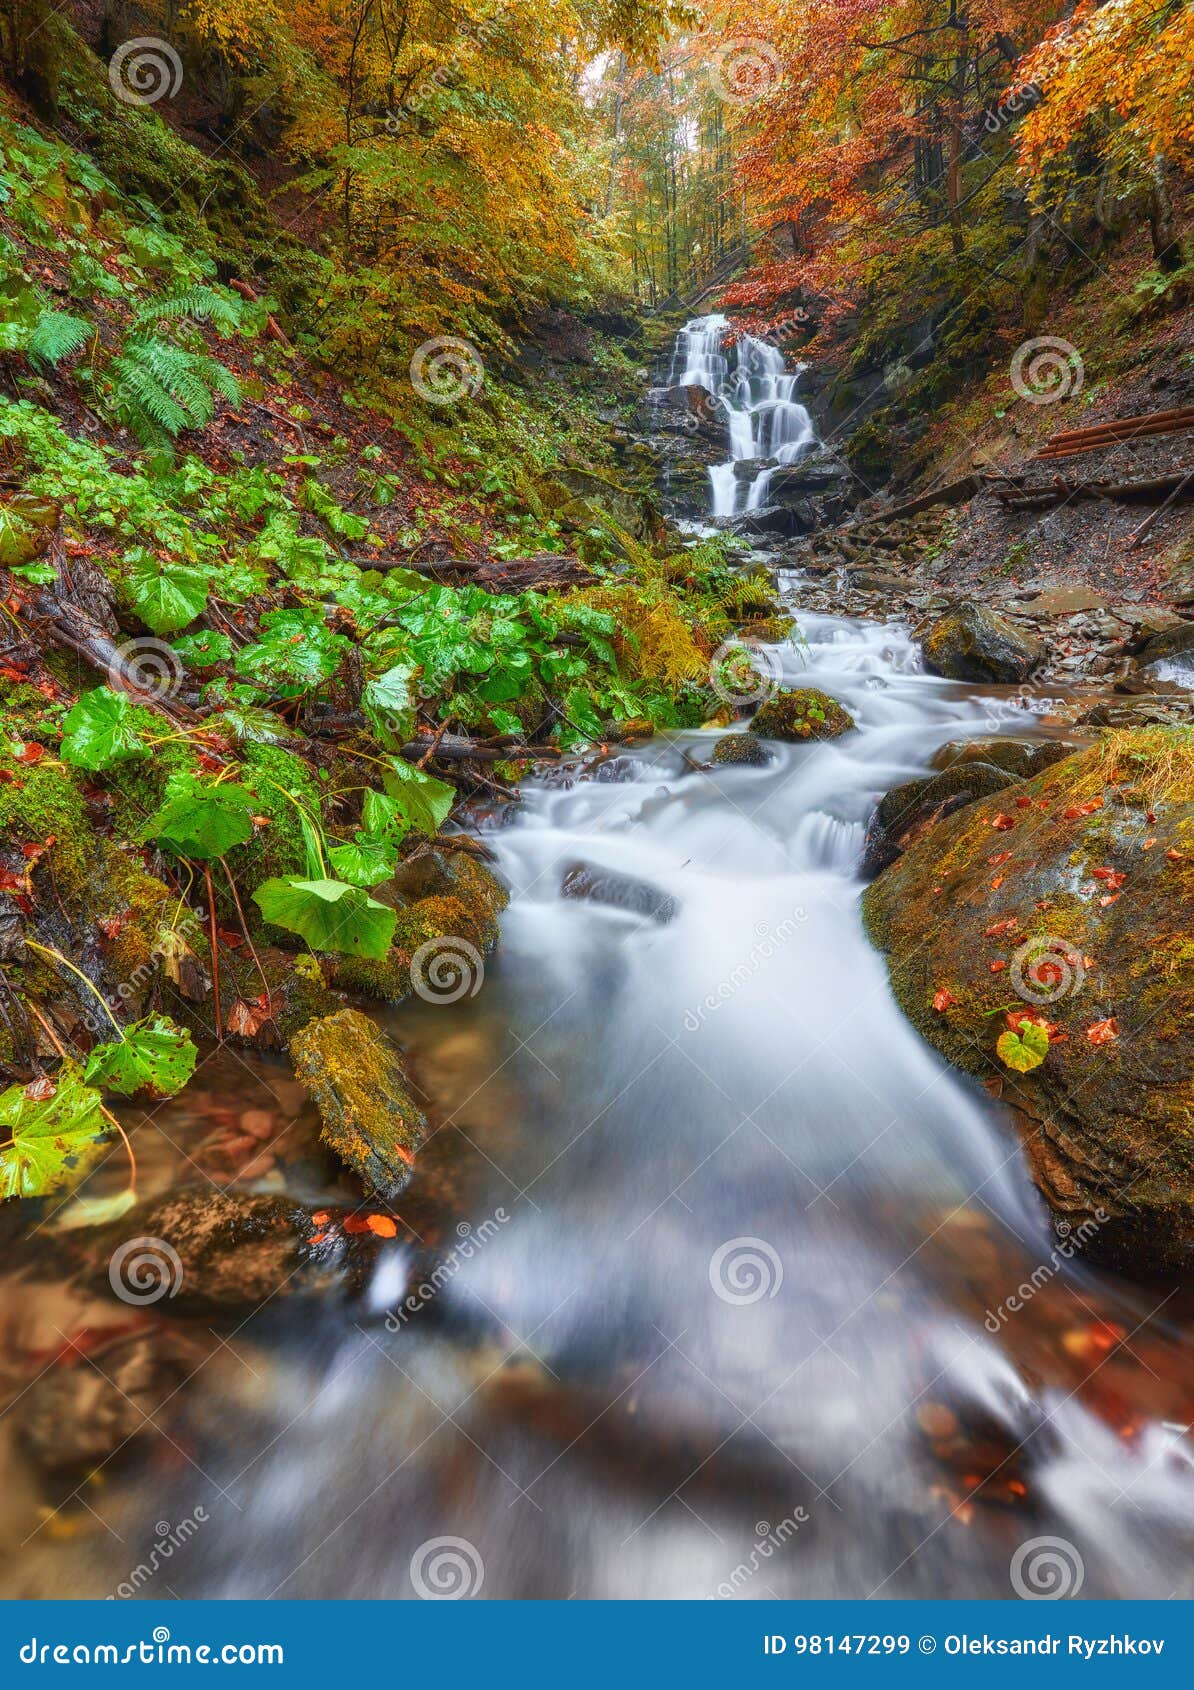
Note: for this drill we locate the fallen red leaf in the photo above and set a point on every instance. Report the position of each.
(1023, 803)
(382, 1225)
(1102, 1032)
(39, 1090)
(1000, 857)
(1148, 844)
(1174, 856)
(942, 1000)
(1114, 877)
(998, 967)
(30, 752)
(1008, 926)
(1002, 823)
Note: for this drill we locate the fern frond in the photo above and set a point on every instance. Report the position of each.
(194, 304)
(56, 335)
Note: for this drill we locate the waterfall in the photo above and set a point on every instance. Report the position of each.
(756, 390)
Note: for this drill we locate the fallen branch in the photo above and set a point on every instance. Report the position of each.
(454, 749)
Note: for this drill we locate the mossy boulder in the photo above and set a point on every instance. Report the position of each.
(801, 713)
(358, 1083)
(1016, 903)
(975, 644)
(911, 810)
(1019, 757)
(740, 748)
(769, 629)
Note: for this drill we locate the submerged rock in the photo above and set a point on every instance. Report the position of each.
(73, 1420)
(357, 1080)
(911, 810)
(801, 713)
(1077, 904)
(619, 892)
(741, 748)
(975, 644)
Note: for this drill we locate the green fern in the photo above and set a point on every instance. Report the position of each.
(193, 304)
(161, 388)
(55, 335)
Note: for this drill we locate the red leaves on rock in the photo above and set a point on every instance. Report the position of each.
(1113, 877)
(30, 752)
(1002, 823)
(1076, 811)
(998, 967)
(942, 1000)
(1174, 856)
(1102, 1032)
(1023, 803)
(1011, 925)
(382, 1225)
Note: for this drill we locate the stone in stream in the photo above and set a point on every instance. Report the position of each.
(740, 748)
(975, 644)
(1173, 643)
(1018, 757)
(786, 521)
(358, 1083)
(1057, 905)
(619, 892)
(909, 811)
(799, 714)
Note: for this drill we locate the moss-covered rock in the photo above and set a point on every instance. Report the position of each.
(740, 748)
(799, 714)
(1017, 757)
(1017, 903)
(911, 810)
(359, 1085)
(975, 644)
(770, 629)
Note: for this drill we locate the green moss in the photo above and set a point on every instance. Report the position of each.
(356, 1079)
(804, 713)
(39, 801)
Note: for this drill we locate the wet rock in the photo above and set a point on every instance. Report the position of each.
(975, 644)
(784, 521)
(1105, 1117)
(1174, 643)
(910, 811)
(76, 1417)
(876, 581)
(578, 496)
(799, 714)
(1017, 757)
(740, 748)
(691, 410)
(357, 1080)
(619, 892)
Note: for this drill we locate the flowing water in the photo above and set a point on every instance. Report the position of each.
(756, 391)
(721, 1253)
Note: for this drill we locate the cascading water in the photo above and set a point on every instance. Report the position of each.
(721, 1257)
(756, 390)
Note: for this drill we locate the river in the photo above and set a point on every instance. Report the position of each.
(725, 1253)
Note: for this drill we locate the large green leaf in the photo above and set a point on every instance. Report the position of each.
(294, 648)
(153, 1055)
(102, 729)
(1023, 1050)
(389, 703)
(365, 861)
(49, 1143)
(202, 819)
(423, 801)
(167, 597)
(329, 914)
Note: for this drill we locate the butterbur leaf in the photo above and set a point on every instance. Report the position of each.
(389, 703)
(203, 649)
(365, 861)
(103, 728)
(153, 1055)
(423, 801)
(202, 821)
(167, 596)
(50, 1143)
(1023, 1050)
(329, 914)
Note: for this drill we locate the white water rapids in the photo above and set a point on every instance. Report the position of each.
(756, 391)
